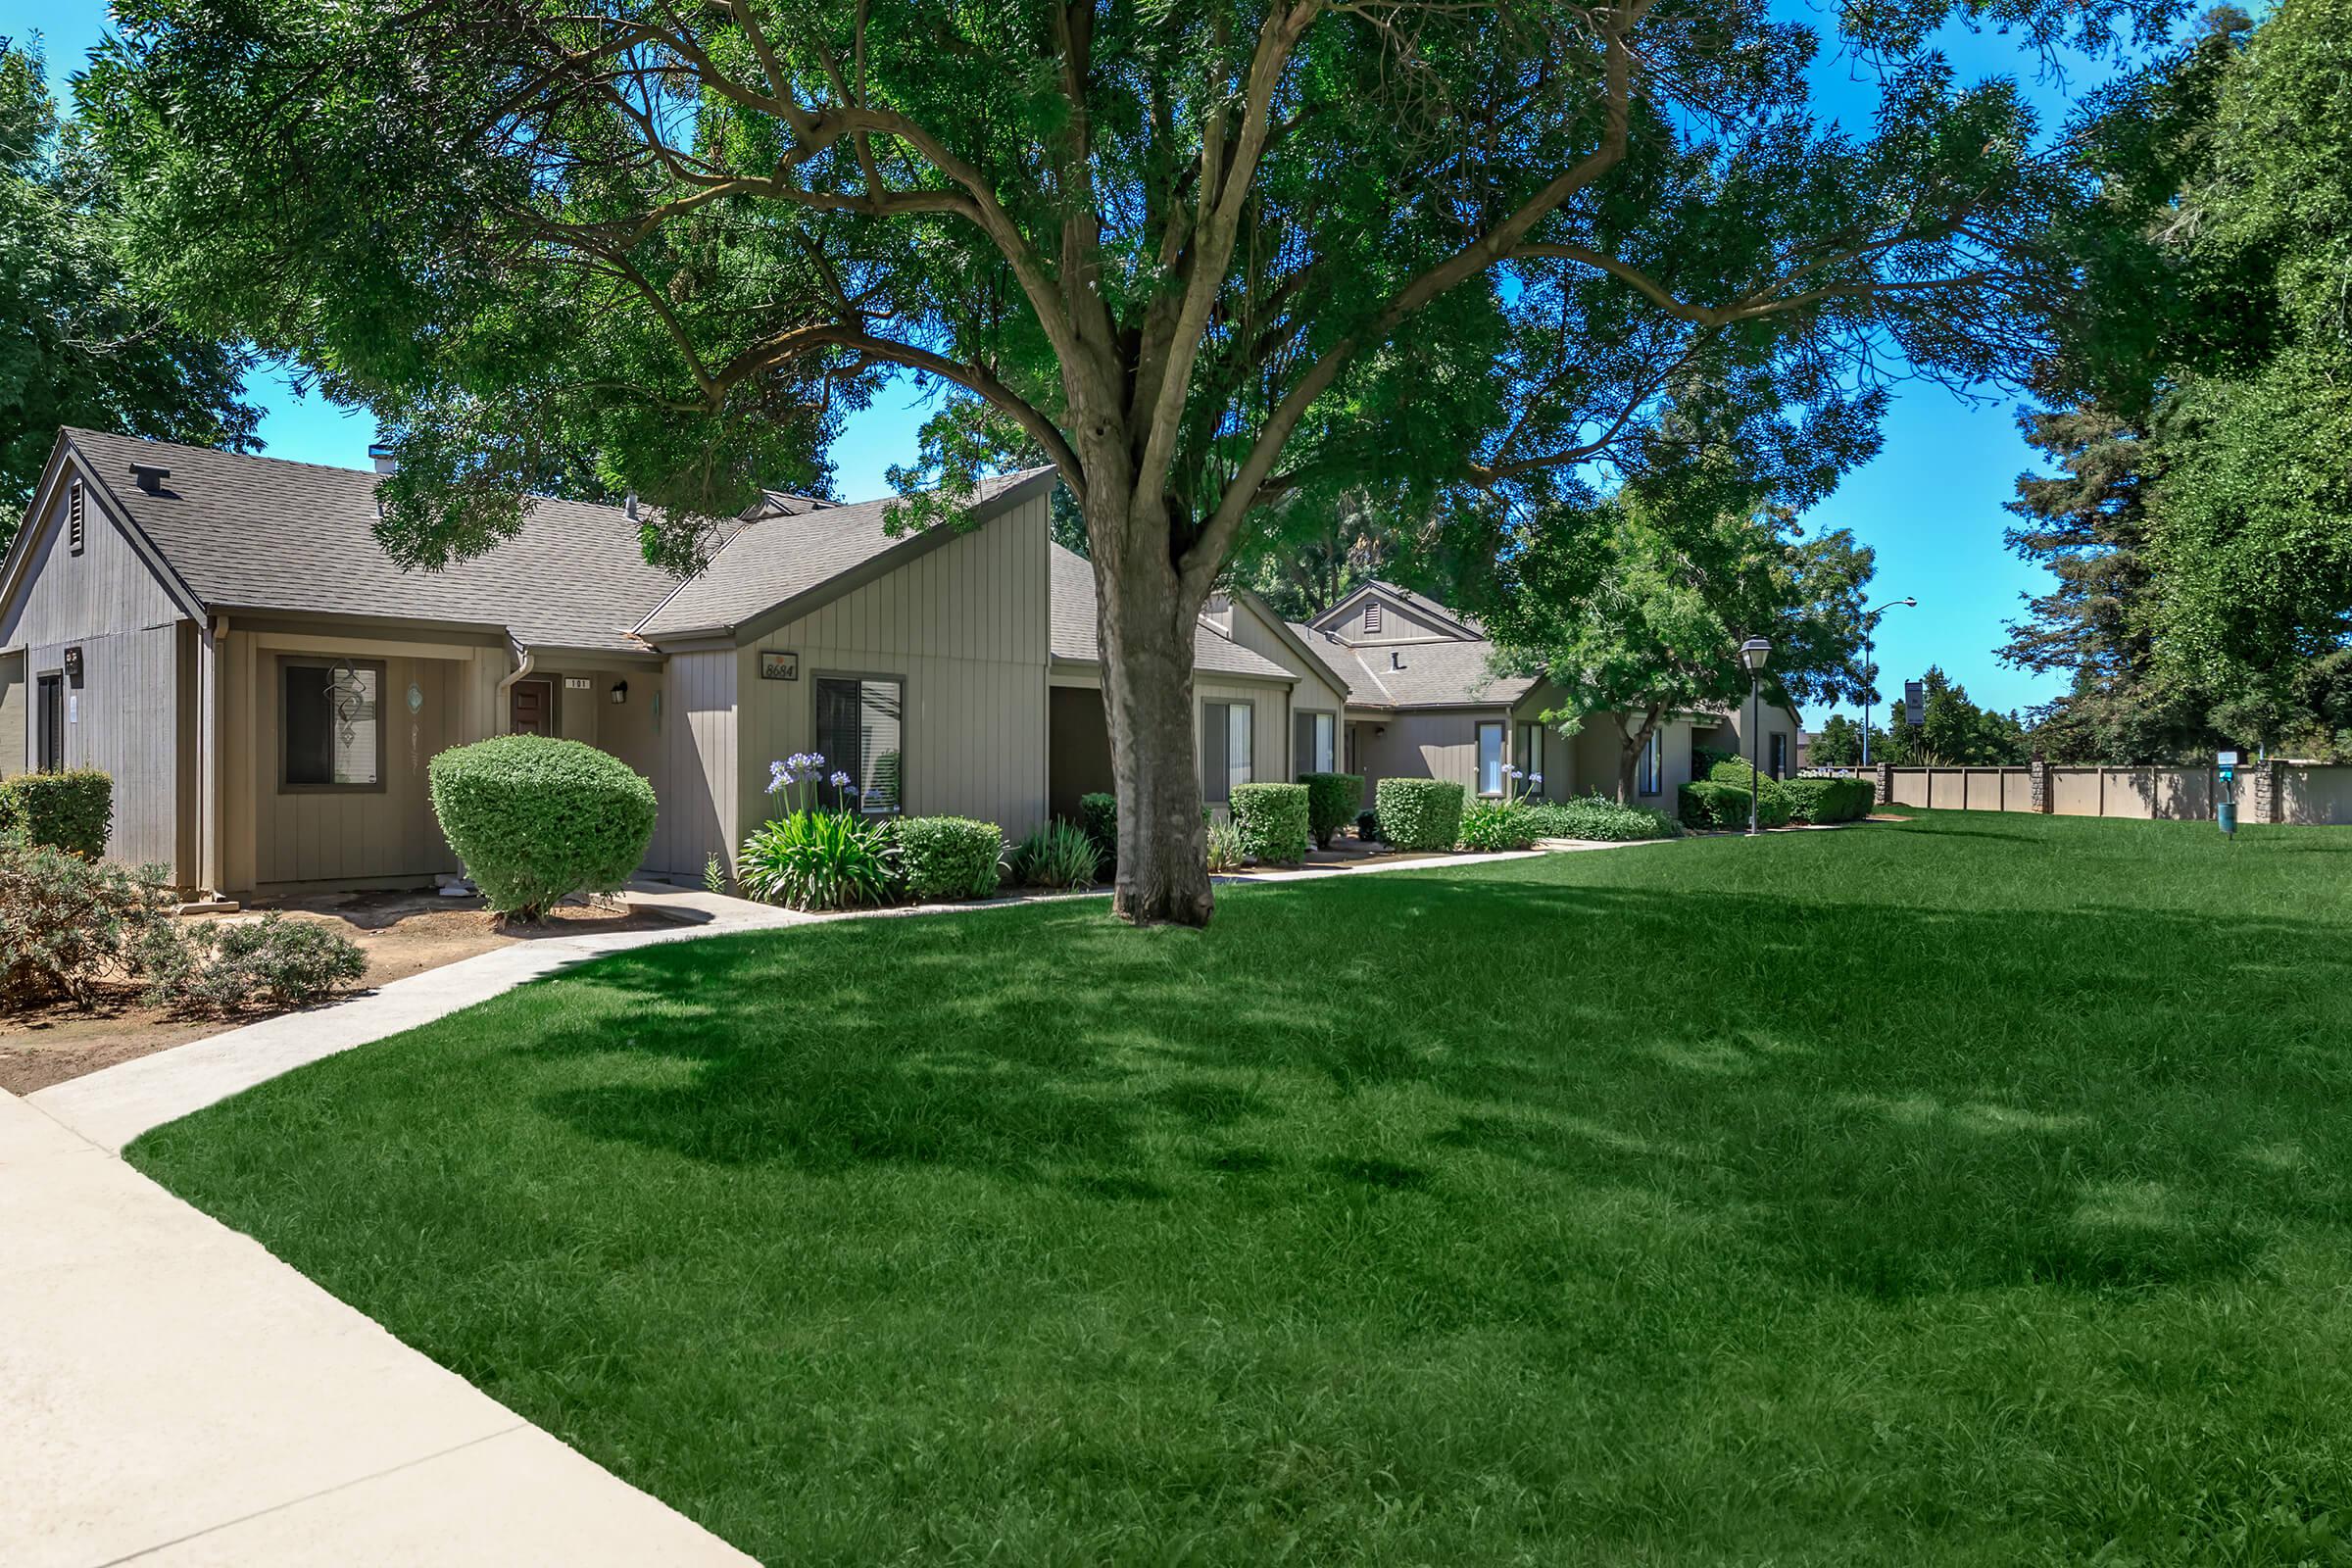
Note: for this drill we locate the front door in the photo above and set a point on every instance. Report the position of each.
(531, 708)
(49, 724)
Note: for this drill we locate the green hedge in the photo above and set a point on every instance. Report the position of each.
(1098, 814)
(1830, 800)
(1596, 818)
(1332, 802)
(534, 820)
(1419, 813)
(1273, 821)
(1711, 803)
(72, 810)
(949, 858)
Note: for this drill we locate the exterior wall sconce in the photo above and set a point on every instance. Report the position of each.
(621, 692)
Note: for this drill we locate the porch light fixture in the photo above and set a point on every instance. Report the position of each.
(621, 692)
(1753, 653)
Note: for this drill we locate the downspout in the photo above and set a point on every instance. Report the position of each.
(525, 658)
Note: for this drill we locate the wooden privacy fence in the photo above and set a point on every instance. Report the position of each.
(2307, 794)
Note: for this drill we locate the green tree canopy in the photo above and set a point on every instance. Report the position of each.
(83, 346)
(1202, 257)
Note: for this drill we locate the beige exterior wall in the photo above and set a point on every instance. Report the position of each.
(695, 773)
(1730, 734)
(965, 627)
(2312, 796)
(1313, 693)
(1397, 624)
(1269, 722)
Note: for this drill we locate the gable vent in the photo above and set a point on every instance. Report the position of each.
(73, 536)
(1372, 617)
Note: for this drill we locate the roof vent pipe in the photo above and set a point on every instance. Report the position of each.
(1396, 660)
(151, 476)
(381, 456)
(630, 506)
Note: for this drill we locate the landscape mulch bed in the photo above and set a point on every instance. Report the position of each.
(402, 933)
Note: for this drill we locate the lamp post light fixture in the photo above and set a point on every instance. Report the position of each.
(1870, 669)
(1753, 653)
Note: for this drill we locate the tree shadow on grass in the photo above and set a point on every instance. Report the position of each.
(1887, 1098)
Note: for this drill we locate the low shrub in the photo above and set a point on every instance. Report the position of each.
(1225, 852)
(1059, 854)
(1273, 821)
(1735, 771)
(812, 860)
(1829, 799)
(534, 820)
(1332, 802)
(67, 923)
(949, 858)
(1598, 819)
(1098, 814)
(1711, 803)
(1498, 826)
(72, 810)
(1367, 826)
(1419, 813)
(229, 966)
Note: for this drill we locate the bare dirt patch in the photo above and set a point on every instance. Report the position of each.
(402, 933)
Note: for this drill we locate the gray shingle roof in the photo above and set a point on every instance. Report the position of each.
(780, 558)
(1441, 673)
(263, 533)
(1074, 616)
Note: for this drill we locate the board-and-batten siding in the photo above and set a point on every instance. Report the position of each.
(965, 626)
(354, 835)
(1269, 722)
(15, 752)
(694, 757)
(110, 604)
(1313, 694)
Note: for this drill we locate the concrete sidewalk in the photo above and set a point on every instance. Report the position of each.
(171, 1394)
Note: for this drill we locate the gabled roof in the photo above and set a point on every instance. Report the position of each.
(1074, 640)
(769, 565)
(1435, 674)
(1452, 620)
(263, 533)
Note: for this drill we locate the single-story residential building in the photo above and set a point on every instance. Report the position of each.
(224, 634)
(1423, 700)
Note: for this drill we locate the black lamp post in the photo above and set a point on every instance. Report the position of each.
(1753, 653)
(1870, 668)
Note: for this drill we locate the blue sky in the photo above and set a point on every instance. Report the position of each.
(1929, 503)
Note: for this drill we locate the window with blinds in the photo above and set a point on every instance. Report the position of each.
(1225, 747)
(331, 724)
(1314, 742)
(861, 731)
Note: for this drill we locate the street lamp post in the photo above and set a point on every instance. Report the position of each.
(1753, 653)
(1870, 668)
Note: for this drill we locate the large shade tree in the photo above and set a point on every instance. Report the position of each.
(83, 345)
(1200, 257)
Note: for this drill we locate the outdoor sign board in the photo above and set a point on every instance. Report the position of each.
(1915, 703)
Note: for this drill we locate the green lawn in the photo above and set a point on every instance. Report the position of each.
(1971, 1190)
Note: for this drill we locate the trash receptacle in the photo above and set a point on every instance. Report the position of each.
(2227, 815)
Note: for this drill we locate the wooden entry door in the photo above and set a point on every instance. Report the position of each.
(531, 708)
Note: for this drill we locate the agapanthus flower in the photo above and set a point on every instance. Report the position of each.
(1534, 779)
(839, 780)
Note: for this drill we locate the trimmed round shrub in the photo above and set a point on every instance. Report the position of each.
(1710, 803)
(534, 820)
(1098, 814)
(949, 858)
(1332, 802)
(1736, 772)
(72, 810)
(1419, 813)
(1498, 826)
(1272, 820)
(1830, 800)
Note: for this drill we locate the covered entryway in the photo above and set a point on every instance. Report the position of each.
(1078, 753)
(531, 708)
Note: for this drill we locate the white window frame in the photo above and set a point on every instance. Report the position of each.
(1481, 761)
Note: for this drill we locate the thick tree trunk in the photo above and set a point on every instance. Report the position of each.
(1628, 760)
(1146, 617)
